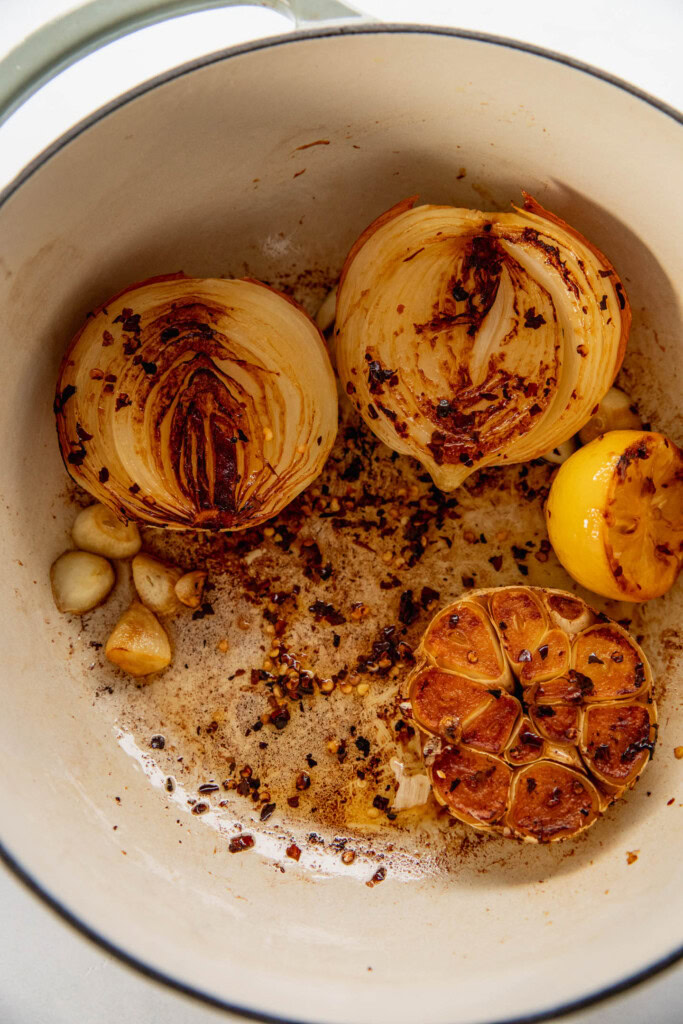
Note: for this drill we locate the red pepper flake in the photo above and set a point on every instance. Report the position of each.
(266, 811)
(293, 851)
(293, 801)
(303, 781)
(408, 610)
(669, 802)
(497, 562)
(379, 876)
(240, 843)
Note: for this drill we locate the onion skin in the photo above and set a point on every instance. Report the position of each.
(196, 404)
(469, 339)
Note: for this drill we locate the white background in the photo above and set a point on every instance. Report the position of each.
(48, 973)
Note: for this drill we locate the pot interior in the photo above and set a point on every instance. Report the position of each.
(269, 163)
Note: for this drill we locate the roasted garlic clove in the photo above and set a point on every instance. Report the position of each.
(551, 801)
(155, 582)
(138, 643)
(615, 412)
(475, 786)
(617, 742)
(97, 529)
(190, 587)
(80, 581)
(462, 639)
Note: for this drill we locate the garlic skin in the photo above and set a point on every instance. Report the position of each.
(155, 582)
(196, 404)
(468, 339)
(615, 412)
(80, 581)
(189, 588)
(99, 530)
(138, 644)
(413, 790)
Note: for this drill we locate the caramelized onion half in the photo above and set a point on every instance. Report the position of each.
(196, 404)
(537, 751)
(470, 339)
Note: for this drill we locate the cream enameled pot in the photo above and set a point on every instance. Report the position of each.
(195, 170)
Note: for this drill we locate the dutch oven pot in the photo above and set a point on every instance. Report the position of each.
(195, 170)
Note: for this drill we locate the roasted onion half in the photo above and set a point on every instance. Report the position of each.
(196, 404)
(469, 339)
(537, 712)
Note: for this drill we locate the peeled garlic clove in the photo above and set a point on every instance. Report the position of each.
(138, 643)
(97, 529)
(558, 455)
(80, 581)
(615, 412)
(189, 588)
(155, 583)
(325, 315)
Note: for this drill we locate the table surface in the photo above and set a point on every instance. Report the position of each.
(49, 974)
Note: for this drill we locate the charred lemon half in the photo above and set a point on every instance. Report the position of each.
(536, 711)
(615, 515)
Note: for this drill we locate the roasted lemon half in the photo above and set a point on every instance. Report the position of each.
(615, 515)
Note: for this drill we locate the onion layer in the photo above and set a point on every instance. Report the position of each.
(469, 339)
(196, 404)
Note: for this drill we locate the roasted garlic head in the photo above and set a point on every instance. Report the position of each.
(537, 712)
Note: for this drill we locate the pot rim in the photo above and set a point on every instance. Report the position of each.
(24, 876)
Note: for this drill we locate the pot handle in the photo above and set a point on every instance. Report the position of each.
(65, 40)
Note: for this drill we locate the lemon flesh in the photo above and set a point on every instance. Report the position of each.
(615, 515)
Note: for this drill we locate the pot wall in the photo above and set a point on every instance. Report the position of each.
(203, 173)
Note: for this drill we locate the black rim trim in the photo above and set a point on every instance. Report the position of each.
(482, 37)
